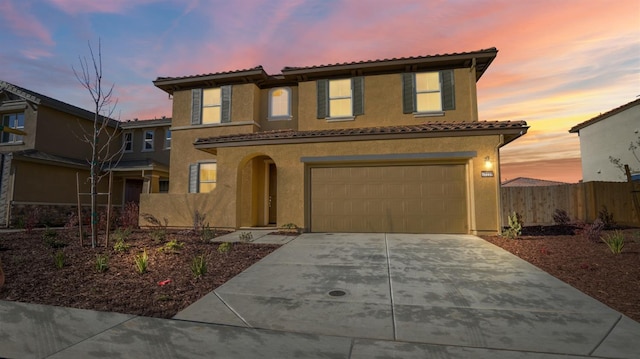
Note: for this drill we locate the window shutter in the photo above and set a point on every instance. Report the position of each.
(357, 85)
(196, 106)
(225, 93)
(193, 178)
(448, 90)
(408, 93)
(323, 98)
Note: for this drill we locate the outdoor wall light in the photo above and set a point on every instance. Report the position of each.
(487, 162)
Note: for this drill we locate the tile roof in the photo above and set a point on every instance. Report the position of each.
(40, 156)
(394, 59)
(231, 72)
(429, 127)
(481, 58)
(603, 116)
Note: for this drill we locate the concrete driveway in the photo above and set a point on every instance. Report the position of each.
(350, 296)
(451, 290)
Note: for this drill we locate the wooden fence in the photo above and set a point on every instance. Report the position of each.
(582, 201)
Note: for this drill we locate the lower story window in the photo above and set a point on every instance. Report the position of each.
(202, 177)
(164, 185)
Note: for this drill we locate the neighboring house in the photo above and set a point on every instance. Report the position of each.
(144, 165)
(609, 134)
(39, 169)
(374, 146)
(529, 182)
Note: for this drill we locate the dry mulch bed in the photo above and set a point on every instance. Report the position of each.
(613, 279)
(31, 275)
(167, 287)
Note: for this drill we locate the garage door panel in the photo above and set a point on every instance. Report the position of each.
(411, 199)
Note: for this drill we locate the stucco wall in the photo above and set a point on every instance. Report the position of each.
(383, 104)
(221, 205)
(609, 137)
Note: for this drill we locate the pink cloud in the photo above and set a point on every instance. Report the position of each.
(18, 17)
(83, 6)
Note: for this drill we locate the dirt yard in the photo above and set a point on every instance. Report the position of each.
(168, 285)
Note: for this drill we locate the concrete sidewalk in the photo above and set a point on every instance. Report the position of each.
(350, 296)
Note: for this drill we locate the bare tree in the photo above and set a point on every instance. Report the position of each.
(107, 153)
(634, 148)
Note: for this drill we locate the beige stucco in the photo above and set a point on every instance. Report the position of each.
(234, 201)
(241, 195)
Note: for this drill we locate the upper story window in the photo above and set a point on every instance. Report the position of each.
(280, 103)
(167, 139)
(340, 99)
(15, 121)
(127, 141)
(202, 177)
(147, 144)
(428, 93)
(212, 105)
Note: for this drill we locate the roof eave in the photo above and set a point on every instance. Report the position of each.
(510, 135)
(172, 84)
(482, 59)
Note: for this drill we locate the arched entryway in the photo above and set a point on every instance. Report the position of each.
(258, 195)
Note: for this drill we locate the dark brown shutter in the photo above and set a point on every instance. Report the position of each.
(448, 90)
(357, 85)
(408, 93)
(322, 95)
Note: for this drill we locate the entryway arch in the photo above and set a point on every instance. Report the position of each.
(258, 191)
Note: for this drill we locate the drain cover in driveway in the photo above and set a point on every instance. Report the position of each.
(337, 293)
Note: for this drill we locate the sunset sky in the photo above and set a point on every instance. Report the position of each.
(559, 62)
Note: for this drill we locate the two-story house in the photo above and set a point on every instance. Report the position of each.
(389, 145)
(39, 170)
(144, 166)
(610, 134)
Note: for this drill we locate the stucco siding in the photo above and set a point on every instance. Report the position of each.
(609, 137)
(225, 206)
(383, 104)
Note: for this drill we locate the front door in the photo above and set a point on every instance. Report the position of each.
(132, 190)
(273, 194)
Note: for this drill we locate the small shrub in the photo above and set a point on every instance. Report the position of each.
(121, 234)
(515, 225)
(120, 246)
(615, 241)
(32, 220)
(246, 236)
(129, 215)
(102, 263)
(592, 232)
(606, 218)
(172, 246)
(59, 259)
(159, 232)
(198, 266)
(560, 217)
(224, 247)
(158, 235)
(50, 237)
(142, 262)
(290, 227)
(198, 221)
(207, 233)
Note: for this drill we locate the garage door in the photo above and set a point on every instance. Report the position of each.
(394, 199)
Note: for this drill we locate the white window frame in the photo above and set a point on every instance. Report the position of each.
(217, 106)
(148, 141)
(427, 91)
(332, 98)
(12, 138)
(280, 117)
(167, 139)
(126, 141)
